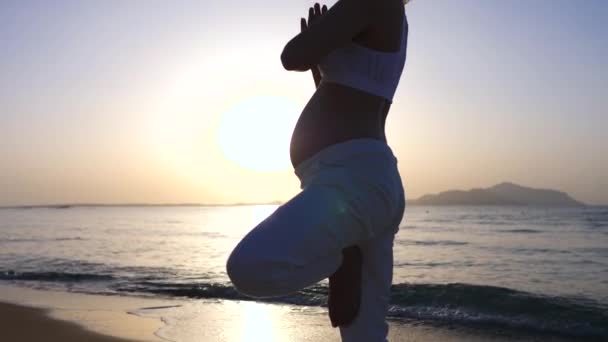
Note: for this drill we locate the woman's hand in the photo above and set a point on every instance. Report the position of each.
(314, 14)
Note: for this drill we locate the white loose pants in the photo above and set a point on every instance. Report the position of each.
(351, 195)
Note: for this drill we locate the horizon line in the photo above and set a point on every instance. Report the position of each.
(110, 205)
(135, 204)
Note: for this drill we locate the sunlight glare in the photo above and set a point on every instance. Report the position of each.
(258, 324)
(255, 133)
(260, 212)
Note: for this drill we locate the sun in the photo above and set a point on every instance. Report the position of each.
(255, 133)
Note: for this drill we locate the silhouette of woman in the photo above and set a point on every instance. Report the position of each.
(343, 222)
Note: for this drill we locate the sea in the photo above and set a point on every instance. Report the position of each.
(538, 269)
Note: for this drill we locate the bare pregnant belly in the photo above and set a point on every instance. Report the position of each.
(335, 114)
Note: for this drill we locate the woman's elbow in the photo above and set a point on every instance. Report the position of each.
(289, 62)
(292, 61)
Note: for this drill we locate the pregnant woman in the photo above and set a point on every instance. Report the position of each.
(342, 224)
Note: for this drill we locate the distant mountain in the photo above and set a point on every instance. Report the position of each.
(501, 194)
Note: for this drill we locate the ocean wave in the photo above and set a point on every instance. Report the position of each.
(451, 303)
(315, 295)
(406, 242)
(496, 306)
(21, 240)
(532, 251)
(596, 223)
(521, 231)
(54, 276)
(494, 222)
(464, 304)
(408, 226)
(431, 264)
(598, 250)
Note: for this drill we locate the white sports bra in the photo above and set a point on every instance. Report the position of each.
(362, 68)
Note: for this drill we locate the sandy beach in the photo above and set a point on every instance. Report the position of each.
(59, 316)
(21, 323)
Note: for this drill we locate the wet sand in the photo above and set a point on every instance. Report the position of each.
(33, 315)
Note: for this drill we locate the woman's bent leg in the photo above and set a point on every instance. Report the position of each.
(352, 196)
(297, 246)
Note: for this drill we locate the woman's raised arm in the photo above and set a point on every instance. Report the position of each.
(345, 20)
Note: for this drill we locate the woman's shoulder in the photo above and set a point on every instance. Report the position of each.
(387, 12)
(386, 23)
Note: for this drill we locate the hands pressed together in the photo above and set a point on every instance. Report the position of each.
(314, 14)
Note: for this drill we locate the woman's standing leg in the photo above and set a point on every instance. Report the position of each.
(377, 274)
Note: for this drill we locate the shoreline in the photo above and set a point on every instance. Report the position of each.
(74, 316)
(65, 316)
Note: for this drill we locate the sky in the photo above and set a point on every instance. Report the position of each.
(170, 101)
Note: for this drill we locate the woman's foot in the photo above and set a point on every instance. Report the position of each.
(345, 288)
